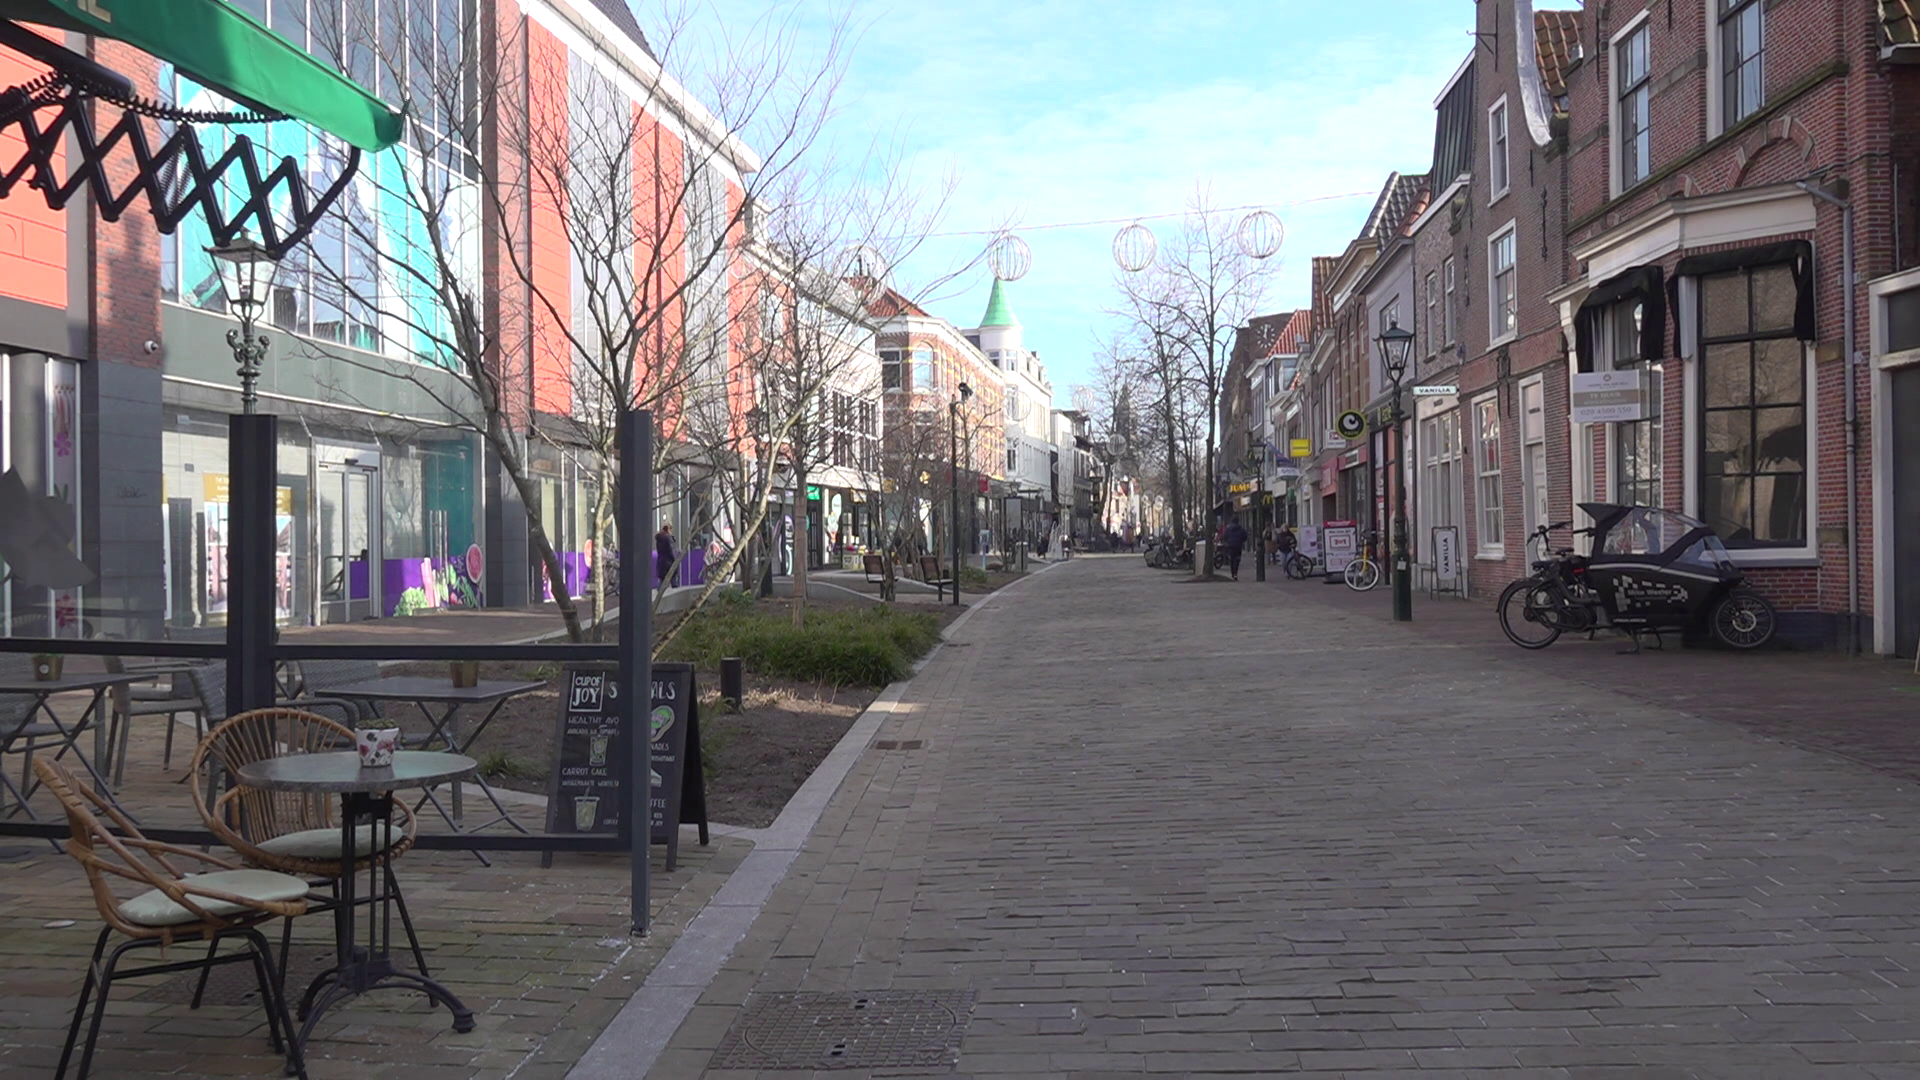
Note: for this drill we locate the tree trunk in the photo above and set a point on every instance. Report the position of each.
(806, 544)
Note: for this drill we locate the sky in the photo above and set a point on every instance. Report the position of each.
(1052, 111)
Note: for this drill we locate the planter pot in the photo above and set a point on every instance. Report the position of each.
(47, 667)
(466, 673)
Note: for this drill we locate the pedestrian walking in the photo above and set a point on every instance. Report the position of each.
(1284, 542)
(663, 552)
(1233, 538)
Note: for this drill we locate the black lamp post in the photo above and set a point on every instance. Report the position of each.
(1256, 460)
(953, 454)
(246, 278)
(1395, 346)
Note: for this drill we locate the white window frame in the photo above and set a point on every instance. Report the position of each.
(1615, 159)
(1717, 121)
(1433, 313)
(1451, 297)
(1496, 336)
(1499, 150)
(1532, 434)
(1498, 548)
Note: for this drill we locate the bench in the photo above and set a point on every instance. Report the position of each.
(931, 575)
(879, 570)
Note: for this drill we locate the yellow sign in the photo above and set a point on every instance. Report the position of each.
(283, 501)
(1240, 488)
(1299, 448)
(217, 487)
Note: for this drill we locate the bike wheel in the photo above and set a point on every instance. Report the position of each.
(1296, 566)
(1527, 614)
(1362, 574)
(1743, 619)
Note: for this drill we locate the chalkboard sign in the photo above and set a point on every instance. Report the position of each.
(585, 794)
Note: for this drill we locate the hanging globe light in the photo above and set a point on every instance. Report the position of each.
(1010, 258)
(1260, 234)
(865, 263)
(1134, 248)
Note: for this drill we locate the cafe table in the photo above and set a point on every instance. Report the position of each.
(426, 692)
(58, 735)
(366, 797)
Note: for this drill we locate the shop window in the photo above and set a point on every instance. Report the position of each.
(1487, 491)
(1753, 378)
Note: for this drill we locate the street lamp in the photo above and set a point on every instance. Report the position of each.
(953, 455)
(1257, 461)
(246, 277)
(1395, 346)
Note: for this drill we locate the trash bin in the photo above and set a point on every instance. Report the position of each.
(1203, 558)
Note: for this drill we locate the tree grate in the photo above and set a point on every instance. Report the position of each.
(875, 1030)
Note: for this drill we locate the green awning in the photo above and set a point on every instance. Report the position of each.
(222, 48)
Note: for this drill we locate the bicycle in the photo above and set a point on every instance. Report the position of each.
(1552, 600)
(1363, 573)
(1298, 565)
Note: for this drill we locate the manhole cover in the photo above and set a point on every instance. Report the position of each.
(883, 1029)
(234, 984)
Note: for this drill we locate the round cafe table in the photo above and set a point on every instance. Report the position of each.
(366, 796)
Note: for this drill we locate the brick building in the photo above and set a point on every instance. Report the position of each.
(1715, 150)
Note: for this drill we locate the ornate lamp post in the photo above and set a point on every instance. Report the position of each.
(953, 455)
(246, 277)
(1395, 346)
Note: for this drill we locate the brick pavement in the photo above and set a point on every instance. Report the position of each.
(1216, 829)
(542, 957)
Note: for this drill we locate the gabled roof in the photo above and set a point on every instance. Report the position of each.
(1298, 328)
(1395, 207)
(1556, 40)
(889, 304)
(1323, 267)
(1899, 22)
(622, 16)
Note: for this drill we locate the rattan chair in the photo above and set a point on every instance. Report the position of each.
(229, 901)
(290, 832)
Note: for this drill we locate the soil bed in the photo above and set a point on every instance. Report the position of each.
(755, 759)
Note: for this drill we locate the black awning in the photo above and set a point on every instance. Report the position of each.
(1642, 283)
(1798, 254)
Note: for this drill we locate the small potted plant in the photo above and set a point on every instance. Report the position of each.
(466, 674)
(46, 666)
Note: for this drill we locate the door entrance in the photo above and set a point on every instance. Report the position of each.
(349, 543)
(1905, 429)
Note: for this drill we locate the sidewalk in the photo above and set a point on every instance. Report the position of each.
(1215, 829)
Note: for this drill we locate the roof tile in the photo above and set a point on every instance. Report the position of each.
(1557, 45)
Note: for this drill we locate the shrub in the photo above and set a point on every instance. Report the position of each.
(973, 577)
(868, 647)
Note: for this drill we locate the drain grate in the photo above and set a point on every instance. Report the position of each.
(882, 1029)
(234, 984)
(898, 744)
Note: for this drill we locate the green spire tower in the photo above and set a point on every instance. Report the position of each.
(999, 312)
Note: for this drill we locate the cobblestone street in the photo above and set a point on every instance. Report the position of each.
(1195, 829)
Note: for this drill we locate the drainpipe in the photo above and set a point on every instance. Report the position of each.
(1840, 198)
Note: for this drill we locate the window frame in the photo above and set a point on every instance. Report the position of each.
(1699, 411)
(1451, 294)
(1499, 151)
(1721, 14)
(1433, 312)
(1509, 235)
(1482, 406)
(1617, 96)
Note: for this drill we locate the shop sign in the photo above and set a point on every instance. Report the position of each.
(1287, 469)
(217, 487)
(1351, 424)
(586, 792)
(1435, 391)
(1300, 448)
(1349, 459)
(1342, 541)
(1240, 488)
(813, 492)
(1607, 397)
(1446, 554)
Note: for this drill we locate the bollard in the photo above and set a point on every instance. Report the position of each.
(1203, 558)
(732, 683)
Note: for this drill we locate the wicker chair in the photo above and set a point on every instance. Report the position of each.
(285, 831)
(227, 902)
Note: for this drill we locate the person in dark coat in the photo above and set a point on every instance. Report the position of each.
(663, 552)
(1233, 538)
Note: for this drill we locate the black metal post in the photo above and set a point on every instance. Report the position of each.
(1261, 518)
(1402, 567)
(733, 682)
(953, 455)
(250, 555)
(636, 654)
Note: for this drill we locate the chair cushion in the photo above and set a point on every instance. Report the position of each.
(325, 843)
(155, 908)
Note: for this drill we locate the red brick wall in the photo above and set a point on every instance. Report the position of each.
(126, 253)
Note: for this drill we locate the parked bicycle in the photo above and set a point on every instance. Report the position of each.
(1651, 572)
(1363, 573)
(1299, 565)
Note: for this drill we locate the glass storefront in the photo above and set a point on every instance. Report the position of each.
(40, 492)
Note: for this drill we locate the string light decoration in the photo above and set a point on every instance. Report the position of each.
(1260, 234)
(1134, 248)
(1010, 258)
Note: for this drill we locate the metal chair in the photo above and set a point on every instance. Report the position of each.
(176, 697)
(289, 832)
(316, 676)
(228, 902)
